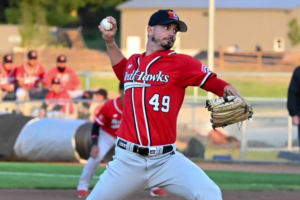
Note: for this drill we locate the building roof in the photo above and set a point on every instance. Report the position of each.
(220, 4)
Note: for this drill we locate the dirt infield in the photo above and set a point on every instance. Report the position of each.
(144, 195)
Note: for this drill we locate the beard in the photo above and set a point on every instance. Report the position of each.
(166, 46)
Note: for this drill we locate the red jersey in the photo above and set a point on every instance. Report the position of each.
(30, 79)
(110, 116)
(69, 79)
(154, 87)
(63, 95)
(7, 77)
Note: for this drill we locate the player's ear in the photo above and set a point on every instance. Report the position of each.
(150, 30)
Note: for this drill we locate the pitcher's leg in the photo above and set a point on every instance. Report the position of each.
(105, 142)
(124, 176)
(179, 175)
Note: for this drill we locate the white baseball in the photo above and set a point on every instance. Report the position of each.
(106, 25)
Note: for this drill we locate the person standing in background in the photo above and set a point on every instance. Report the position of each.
(293, 101)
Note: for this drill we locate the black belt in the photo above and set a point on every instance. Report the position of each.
(144, 151)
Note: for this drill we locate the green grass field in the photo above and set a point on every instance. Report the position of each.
(66, 176)
(275, 87)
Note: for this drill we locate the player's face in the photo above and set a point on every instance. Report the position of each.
(32, 62)
(61, 64)
(55, 88)
(164, 35)
(7, 66)
(98, 97)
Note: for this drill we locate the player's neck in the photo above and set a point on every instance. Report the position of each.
(152, 48)
(31, 66)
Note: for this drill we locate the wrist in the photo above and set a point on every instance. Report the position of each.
(110, 43)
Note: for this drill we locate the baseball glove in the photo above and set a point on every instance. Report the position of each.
(228, 110)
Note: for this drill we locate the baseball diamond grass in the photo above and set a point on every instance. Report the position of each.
(275, 87)
(65, 176)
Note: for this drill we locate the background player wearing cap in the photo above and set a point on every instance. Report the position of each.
(69, 79)
(30, 76)
(107, 122)
(7, 79)
(59, 108)
(95, 107)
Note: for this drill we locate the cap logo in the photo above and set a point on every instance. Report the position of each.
(8, 57)
(172, 15)
(33, 53)
(61, 58)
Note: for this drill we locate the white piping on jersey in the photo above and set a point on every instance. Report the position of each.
(205, 79)
(129, 85)
(172, 53)
(133, 106)
(96, 119)
(143, 101)
(116, 106)
(37, 67)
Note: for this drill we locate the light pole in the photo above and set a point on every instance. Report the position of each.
(210, 49)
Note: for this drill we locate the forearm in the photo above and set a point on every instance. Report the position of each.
(114, 53)
(229, 89)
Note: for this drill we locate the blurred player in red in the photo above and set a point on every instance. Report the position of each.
(107, 122)
(30, 76)
(68, 77)
(7, 79)
(58, 108)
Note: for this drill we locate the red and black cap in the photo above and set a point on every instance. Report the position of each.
(162, 17)
(7, 58)
(55, 81)
(32, 55)
(62, 58)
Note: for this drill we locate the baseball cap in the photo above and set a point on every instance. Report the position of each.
(55, 81)
(62, 58)
(7, 58)
(162, 17)
(32, 55)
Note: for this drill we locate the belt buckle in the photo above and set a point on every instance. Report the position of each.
(152, 151)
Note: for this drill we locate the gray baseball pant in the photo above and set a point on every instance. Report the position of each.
(173, 172)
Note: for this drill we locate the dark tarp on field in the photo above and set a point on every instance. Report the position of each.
(10, 128)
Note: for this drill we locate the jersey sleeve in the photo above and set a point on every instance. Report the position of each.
(48, 78)
(193, 72)
(100, 117)
(119, 69)
(76, 80)
(20, 73)
(42, 73)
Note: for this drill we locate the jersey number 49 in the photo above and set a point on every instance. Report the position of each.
(154, 101)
